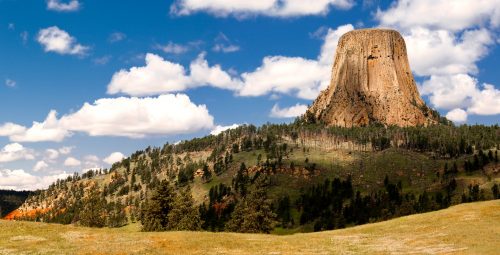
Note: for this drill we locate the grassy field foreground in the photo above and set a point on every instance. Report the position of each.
(464, 229)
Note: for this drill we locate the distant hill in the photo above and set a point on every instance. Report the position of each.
(11, 200)
(470, 228)
(317, 177)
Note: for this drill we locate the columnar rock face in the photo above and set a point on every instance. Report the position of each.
(371, 83)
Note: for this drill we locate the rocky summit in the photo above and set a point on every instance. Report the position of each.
(371, 83)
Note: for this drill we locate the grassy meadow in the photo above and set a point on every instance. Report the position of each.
(472, 228)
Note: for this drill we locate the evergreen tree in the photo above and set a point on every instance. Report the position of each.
(93, 213)
(241, 179)
(155, 212)
(184, 215)
(283, 211)
(253, 213)
(495, 191)
(207, 175)
(219, 209)
(116, 215)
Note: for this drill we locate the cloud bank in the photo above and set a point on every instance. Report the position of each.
(132, 117)
(272, 8)
(446, 51)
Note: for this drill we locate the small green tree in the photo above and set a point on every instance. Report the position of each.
(253, 213)
(184, 215)
(93, 213)
(155, 211)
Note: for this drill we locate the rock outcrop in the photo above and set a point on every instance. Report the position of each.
(371, 83)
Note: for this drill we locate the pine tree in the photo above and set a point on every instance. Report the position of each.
(495, 191)
(253, 213)
(93, 213)
(116, 215)
(284, 211)
(155, 211)
(240, 180)
(207, 175)
(184, 215)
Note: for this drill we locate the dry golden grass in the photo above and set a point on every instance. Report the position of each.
(464, 229)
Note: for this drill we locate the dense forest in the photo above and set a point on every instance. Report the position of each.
(281, 178)
(10, 200)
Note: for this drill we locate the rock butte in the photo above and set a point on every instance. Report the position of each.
(371, 83)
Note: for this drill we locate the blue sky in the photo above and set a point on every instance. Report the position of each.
(210, 63)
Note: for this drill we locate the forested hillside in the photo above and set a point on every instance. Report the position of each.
(281, 178)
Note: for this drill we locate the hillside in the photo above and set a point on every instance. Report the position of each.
(470, 228)
(386, 172)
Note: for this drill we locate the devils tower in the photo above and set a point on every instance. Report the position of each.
(371, 83)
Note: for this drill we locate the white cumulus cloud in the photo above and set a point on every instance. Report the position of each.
(219, 129)
(61, 6)
(91, 162)
(440, 52)
(462, 91)
(441, 14)
(71, 161)
(48, 130)
(244, 8)
(450, 91)
(485, 101)
(157, 73)
(19, 179)
(289, 112)
(133, 117)
(9, 129)
(113, 157)
(162, 76)
(14, 152)
(457, 115)
(92, 158)
(280, 74)
(137, 117)
(40, 165)
(51, 154)
(53, 39)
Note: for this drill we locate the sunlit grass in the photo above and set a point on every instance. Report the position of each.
(464, 229)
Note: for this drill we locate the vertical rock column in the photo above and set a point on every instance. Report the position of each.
(371, 83)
